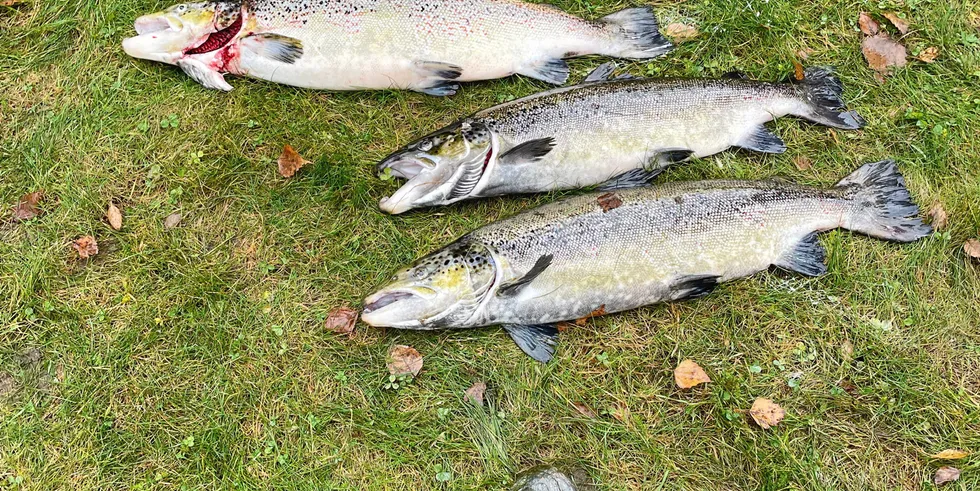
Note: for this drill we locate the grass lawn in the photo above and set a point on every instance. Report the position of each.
(197, 358)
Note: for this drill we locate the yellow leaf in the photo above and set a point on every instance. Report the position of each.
(114, 216)
(290, 161)
(689, 374)
(950, 454)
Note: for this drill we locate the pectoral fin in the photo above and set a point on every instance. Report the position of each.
(513, 287)
(537, 340)
(528, 151)
(551, 70)
(203, 74)
(762, 140)
(806, 257)
(274, 47)
(630, 179)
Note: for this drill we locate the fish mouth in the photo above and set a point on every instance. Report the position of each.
(409, 167)
(166, 38)
(403, 165)
(384, 299)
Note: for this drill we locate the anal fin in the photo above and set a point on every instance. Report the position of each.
(601, 73)
(537, 340)
(762, 140)
(806, 257)
(438, 78)
(693, 286)
(203, 74)
(551, 70)
(276, 47)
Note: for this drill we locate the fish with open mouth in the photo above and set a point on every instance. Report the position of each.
(422, 45)
(620, 132)
(600, 253)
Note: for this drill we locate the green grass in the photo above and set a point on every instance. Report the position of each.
(196, 358)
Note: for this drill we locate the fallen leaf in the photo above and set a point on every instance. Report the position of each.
(26, 207)
(937, 216)
(595, 313)
(804, 53)
(583, 410)
(972, 248)
(929, 54)
(766, 413)
(802, 163)
(950, 454)
(883, 53)
(290, 162)
(341, 321)
(868, 25)
(849, 387)
(680, 33)
(609, 201)
(945, 475)
(404, 360)
(798, 72)
(689, 374)
(172, 220)
(11, 3)
(114, 216)
(86, 246)
(474, 394)
(901, 24)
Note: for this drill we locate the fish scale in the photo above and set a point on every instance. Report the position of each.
(609, 252)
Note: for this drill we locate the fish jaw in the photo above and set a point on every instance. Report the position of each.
(162, 37)
(208, 34)
(387, 308)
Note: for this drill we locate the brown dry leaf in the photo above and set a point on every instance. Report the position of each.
(901, 24)
(802, 163)
(474, 395)
(583, 410)
(341, 321)
(928, 55)
(290, 161)
(937, 216)
(86, 246)
(680, 33)
(114, 216)
(26, 207)
(950, 454)
(868, 25)
(804, 53)
(883, 53)
(11, 3)
(404, 360)
(172, 220)
(766, 413)
(609, 201)
(945, 475)
(798, 71)
(595, 313)
(689, 374)
(972, 248)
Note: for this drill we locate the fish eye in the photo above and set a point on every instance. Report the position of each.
(425, 146)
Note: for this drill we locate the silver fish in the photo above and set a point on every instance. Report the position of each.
(619, 132)
(609, 252)
(423, 45)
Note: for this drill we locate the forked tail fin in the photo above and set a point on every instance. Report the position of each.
(823, 92)
(636, 34)
(883, 207)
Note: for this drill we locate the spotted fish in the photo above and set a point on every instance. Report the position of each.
(619, 132)
(424, 45)
(608, 252)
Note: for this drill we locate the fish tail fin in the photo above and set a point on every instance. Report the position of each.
(882, 205)
(636, 34)
(823, 92)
